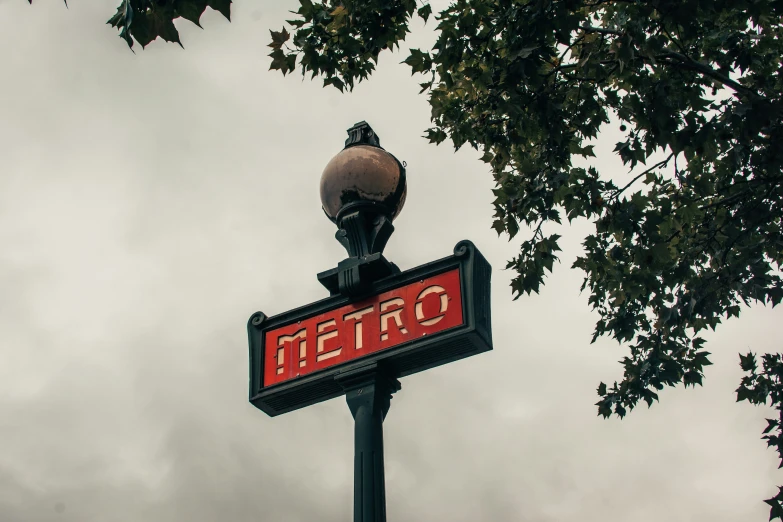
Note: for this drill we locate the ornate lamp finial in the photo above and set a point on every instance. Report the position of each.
(362, 134)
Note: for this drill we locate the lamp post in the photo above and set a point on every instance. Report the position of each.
(362, 190)
(379, 324)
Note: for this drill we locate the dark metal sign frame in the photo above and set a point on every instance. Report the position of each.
(472, 337)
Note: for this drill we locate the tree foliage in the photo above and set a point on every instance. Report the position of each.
(756, 387)
(693, 233)
(695, 85)
(146, 20)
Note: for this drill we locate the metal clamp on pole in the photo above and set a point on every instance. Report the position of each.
(368, 393)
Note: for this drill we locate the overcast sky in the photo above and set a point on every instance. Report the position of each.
(150, 203)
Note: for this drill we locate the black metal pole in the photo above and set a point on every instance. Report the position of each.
(369, 393)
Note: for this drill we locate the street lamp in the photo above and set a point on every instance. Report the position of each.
(379, 324)
(362, 190)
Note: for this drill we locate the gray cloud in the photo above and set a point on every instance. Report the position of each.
(150, 203)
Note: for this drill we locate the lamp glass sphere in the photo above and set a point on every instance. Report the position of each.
(363, 175)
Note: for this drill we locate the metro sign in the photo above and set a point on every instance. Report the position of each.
(352, 331)
(414, 320)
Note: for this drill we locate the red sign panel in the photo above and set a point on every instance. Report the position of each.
(353, 331)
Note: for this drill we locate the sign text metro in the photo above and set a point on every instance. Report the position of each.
(349, 332)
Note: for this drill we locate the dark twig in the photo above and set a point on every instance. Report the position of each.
(660, 164)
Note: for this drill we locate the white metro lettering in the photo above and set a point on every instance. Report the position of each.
(394, 313)
(358, 334)
(444, 305)
(293, 340)
(411, 314)
(323, 336)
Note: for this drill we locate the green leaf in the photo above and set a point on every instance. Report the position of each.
(278, 38)
(604, 408)
(701, 359)
(153, 24)
(191, 10)
(278, 59)
(424, 12)
(419, 61)
(512, 227)
(776, 509)
(122, 20)
(290, 62)
(221, 6)
(435, 135)
(748, 362)
(335, 82)
(743, 394)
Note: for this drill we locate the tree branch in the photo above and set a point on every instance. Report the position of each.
(662, 163)
(706, 70)
(601, 30)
